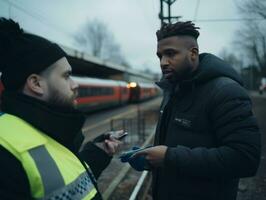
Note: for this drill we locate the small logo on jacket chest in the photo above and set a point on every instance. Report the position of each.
(184, 122)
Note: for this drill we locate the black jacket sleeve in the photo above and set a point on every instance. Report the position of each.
(95, 157)
(236, 131)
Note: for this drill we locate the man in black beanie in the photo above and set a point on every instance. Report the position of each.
(38, 124)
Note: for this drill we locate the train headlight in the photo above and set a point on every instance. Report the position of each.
(132, 85)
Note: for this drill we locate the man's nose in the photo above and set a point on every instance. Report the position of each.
(74, 85)
(164, 62)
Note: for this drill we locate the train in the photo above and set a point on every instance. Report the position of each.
(142, 91)
(96, 94)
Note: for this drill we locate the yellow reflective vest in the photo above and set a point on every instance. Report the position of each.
(53, 171)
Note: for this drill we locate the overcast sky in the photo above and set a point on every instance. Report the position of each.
(133, 22)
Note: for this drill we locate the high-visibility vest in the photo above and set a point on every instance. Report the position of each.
(53, 171)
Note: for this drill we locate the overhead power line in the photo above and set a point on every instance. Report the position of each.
(229, 20)
(38, 17)
(196, 10)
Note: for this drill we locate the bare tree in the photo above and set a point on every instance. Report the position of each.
(256, 8)
(96, 39)
(232, 59)
(252, 35)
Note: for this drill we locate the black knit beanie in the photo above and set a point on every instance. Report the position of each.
(22, 54)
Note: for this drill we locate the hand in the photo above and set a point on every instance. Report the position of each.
(139, 163)
(154, 155)
(110, 146)
(118, 135)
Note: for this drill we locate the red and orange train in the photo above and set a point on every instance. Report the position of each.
(95, 94)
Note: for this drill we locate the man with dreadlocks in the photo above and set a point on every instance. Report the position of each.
(207, 137)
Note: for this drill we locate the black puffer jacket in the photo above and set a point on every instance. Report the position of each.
(212, 135)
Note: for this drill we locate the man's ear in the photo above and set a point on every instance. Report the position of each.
(194, 53)
(34, 84)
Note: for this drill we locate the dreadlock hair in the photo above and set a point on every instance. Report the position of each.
(179, 28)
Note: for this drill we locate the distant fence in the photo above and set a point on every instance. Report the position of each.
(137, 126)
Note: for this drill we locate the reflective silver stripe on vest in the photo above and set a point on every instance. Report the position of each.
(53, 182)
(78, 189)
(50, 174)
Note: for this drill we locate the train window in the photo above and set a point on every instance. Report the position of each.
(88, 91)
(84, 92)
(108, 91)
(111, 91)
(104, 91)
(99, 92)
(95, 91)
(81, 92)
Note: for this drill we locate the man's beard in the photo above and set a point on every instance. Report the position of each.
(59, 101)
(183, 73)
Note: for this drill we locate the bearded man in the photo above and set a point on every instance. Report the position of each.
(40, 131)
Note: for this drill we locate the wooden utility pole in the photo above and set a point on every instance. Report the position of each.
(161, 14)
